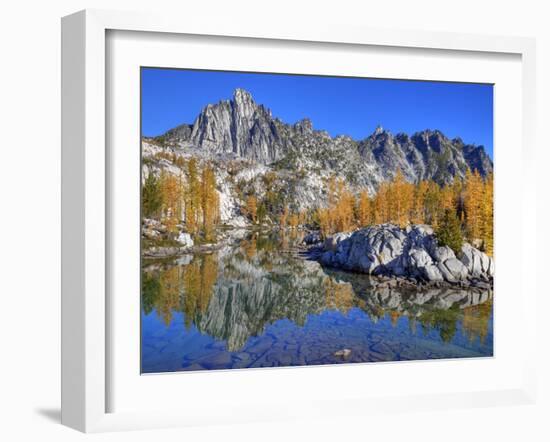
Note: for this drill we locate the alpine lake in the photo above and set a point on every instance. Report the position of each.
(261, 302)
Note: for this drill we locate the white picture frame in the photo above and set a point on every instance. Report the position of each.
(85, 200)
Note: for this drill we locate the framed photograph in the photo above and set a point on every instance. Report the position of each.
(273, 244)
(276, 222)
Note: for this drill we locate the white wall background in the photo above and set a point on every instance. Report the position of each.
(30, 214)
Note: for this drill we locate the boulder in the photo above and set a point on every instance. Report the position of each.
(420, 264)
(443, 253)
(431, 273)
(419, 258)
(327, 258)
(331, 243)
(477, 262)
(151, 233)
(153, 229)
(413, 252)
(185, 240)
(153, 224)
(453, 270)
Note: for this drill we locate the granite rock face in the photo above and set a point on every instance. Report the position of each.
(239, 126)
(476, 262)
(413, 252)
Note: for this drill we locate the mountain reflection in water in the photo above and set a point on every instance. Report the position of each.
(261, 305)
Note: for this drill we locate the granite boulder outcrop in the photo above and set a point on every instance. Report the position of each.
(412, 252)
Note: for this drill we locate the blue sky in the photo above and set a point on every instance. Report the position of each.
(351, 106)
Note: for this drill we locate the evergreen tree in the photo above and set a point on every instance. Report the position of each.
(449, 232)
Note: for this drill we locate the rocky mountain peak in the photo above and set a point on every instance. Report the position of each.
(428, 140)
(243, 128)
(239, 126)
(242, 96)
(379, 130)
(244, 107)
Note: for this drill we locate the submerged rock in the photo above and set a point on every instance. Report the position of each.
(344, 353)
(413, 252)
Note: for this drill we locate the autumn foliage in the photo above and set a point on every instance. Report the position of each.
(460, 210)
(457, 211)
(189, 197)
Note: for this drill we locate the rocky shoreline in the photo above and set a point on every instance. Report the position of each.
(403, 257)
(156, 234)
(164, 252)
(393, 257)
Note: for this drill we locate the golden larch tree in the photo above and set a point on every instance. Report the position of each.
(192, 197)
(381, 212)
(418, 211)
(364, 210)
(171, 189)
(473, 202)
(251, 208)
(209, 202)
(487, 215)
(432, 204)
(293, 221)
(324, 222)
(344, 208)
(401, 200)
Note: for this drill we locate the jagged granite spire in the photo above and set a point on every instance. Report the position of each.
(240, 126)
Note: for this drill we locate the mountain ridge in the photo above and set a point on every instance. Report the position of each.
(242, 127)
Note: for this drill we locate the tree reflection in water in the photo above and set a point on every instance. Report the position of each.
(234, 294)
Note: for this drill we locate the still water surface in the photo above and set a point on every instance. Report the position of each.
(260, 304)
